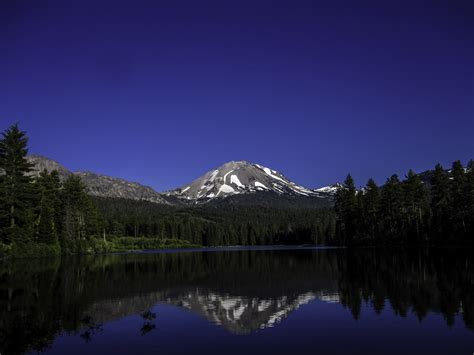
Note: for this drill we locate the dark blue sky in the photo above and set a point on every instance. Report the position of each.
(161, 91)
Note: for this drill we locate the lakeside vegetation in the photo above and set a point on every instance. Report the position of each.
(44, 215)
(438, 211)
(211, 225)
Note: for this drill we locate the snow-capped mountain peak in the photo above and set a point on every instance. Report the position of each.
(238, 177)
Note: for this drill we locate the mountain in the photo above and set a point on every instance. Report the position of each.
(99, 185)
(244, 178)
(235, 182)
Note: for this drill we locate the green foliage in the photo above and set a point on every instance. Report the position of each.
(49, 207)
(370, 206)
(213, 226)
(45, 216)
(409, 212)
(30, 250)
(346, 207)
(36, 215)
(80, 217)
(16, 191)
(440, 201)
(415, 208)
(141, 243)
(5, 250)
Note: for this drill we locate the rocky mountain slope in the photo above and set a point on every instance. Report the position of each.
(107, 186)
(41, 163)
(236, 182)
(100, 185)
(242, 178)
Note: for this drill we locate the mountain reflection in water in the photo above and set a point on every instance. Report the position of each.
(241, 291)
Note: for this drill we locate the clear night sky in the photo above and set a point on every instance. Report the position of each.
(161, 91)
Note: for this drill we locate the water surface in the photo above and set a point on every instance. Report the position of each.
(233, 301)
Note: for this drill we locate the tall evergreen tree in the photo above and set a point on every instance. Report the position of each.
(346, 210)
(440, 201)
(16, 193)
(371, 210)
(391, 207)
(49, 207)
(416, 206)
(80, 215)
(458, 203)
(469, 195)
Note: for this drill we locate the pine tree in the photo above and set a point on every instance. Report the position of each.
(49, 207)
(469, 196)
(440, 200)
(360, 228)
(458, 208)
(391, 208)
(416, 207)
(346, 210)
(371, 210)
(81, 219)
(16, 193)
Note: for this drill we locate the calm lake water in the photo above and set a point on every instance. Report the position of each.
(232, 301)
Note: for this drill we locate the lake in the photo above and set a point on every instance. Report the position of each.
(241, 301)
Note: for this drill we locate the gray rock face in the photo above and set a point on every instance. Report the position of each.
(41, 163)
(106, 186)
(230, 179)
(99, 185)
(241, 177)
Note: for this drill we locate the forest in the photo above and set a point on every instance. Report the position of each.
(437, 210)
(42, 215)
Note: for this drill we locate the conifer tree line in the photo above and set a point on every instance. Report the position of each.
(439, 211)
(216, 226)
(41, 214)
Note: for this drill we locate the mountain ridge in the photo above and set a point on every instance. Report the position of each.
(98, 184)
(254, 183)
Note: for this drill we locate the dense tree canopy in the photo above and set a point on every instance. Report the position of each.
(40, 211)
(16, 193)
(44, 215)
(211, 225)
(60, 216)
(411, 212)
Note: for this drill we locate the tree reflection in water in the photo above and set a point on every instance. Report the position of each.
(241, 290)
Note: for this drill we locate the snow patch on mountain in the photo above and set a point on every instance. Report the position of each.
(234, 179)
(259, 184)
(330, 190)
(226, 189)
(269, 173)
(241, 177)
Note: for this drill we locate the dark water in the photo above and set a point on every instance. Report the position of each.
(333, 301)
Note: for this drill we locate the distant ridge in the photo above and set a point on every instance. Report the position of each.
(100, 185)
(251, 183)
